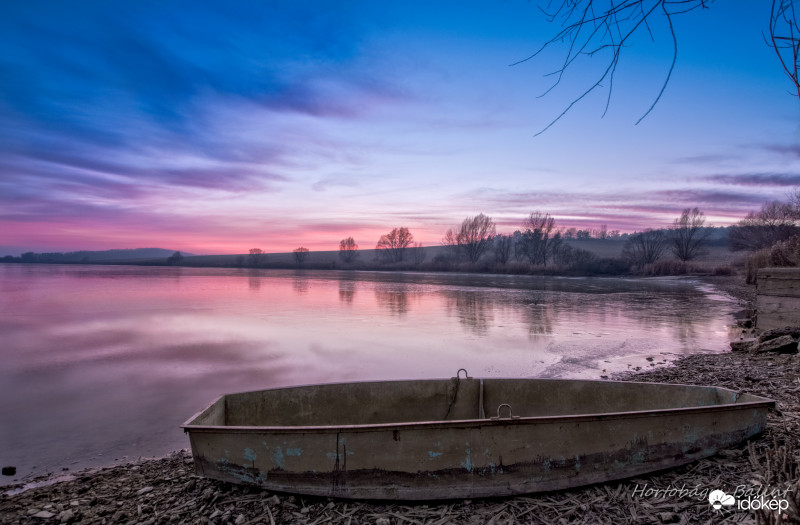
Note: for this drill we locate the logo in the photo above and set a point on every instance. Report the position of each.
(719, 499)
(742, 498)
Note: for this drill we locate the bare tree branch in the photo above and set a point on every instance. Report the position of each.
(784, 38)
(588, 30)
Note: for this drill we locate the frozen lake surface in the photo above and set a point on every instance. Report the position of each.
(103, 363)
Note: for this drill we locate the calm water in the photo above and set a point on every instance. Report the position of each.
(102, 363)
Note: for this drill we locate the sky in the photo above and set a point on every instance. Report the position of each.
(214, 127)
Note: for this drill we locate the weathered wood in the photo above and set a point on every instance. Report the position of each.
(779, 281)
(776, 312)
(778, 299)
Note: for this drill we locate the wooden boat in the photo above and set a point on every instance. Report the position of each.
(463, 437)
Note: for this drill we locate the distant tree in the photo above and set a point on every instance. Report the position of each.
(300, 254)
(563, 255)
(175, 259)
(256, 257)
(601, 232)
(688, 234)
(645, 247)
(472, 238)
(537, 238)
(583, 235)
(393, 245)
(348, 250)
(28, 257)
(555, 244)
(569, 233)
(502, 248)
(776, 221)
(417, 253)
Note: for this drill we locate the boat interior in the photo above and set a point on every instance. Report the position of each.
(457, 398)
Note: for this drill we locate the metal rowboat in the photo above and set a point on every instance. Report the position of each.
(463, 437)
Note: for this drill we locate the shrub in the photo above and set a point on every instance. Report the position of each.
(722, 270)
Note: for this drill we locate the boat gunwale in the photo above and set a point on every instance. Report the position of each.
(762, 402)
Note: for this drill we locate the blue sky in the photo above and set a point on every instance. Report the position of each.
(215, 127)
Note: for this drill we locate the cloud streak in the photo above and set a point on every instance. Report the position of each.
(757, 179)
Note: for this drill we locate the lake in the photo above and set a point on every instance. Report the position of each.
(103, 363)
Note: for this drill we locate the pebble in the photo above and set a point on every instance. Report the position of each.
(144, 490)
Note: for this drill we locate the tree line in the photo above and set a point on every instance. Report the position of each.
(539, 243)
(771, 235)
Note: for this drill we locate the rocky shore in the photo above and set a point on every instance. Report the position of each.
(166, 490)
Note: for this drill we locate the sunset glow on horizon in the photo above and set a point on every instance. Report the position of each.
(213, 128)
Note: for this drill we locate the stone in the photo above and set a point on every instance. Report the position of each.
(9, 471)
(240, 519)
(144, 490)
(66, 516)
(793, 331)
(207, 494)
(44, 514)
(743, 345)
(785, 344)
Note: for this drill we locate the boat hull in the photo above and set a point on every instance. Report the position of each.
(478, 457)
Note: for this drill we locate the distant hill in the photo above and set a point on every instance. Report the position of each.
(97, 256)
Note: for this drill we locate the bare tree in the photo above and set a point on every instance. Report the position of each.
(590, 28)
(645, 247)
(784, 37)
(538, 237)
(256, 257)
(300, 255)
(776, 221)
(348, 250)
(175, 259)
(472, 238)
(502, 248)
(688, 234)
(393, 245)
(417, 253)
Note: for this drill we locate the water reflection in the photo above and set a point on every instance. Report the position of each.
(539, 318)
(395, 299)
(300, 284)
(347, 291)
(113, 359)
(474, 310)
(254, 280)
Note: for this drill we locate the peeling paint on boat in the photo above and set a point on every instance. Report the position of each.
(422, 439)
